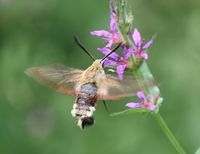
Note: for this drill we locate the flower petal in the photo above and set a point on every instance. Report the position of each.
(151, 106)
(140, 95)
(124, 50)
(148, 44)
(129, 53)
(112, 22)
(120, 71)
(148, 98)
(106, 51)
(109, 43)
(135, 52)
(116, 37)
(101, 33)
(137, 38)
(144, 55)
(108, 62)
(134, 105)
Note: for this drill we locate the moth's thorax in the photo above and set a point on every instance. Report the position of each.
(93, 74)
(85, 104)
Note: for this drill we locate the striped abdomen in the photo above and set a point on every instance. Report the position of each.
(85, 104)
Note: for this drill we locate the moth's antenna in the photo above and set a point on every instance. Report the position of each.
(82, 47)
(111, 52)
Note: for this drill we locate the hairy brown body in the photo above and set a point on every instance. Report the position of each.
(85, 104)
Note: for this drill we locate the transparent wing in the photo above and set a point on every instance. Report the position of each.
(59, 77)
(113, 88)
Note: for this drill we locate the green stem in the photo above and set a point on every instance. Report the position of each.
(169, 134)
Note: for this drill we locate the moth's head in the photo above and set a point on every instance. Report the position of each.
(97, 63)
(85, 121)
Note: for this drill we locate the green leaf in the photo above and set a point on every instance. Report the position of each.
(198, 151)
(130, 111)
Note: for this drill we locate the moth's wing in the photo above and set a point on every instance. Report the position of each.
(113, 88)
(59, 77)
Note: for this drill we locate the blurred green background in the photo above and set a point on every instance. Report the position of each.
(35, 119)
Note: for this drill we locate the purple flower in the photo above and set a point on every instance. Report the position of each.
(139, 50)
(112, 37)
(145, 102)
(120, 62)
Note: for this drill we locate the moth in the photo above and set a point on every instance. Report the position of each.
(87, 85)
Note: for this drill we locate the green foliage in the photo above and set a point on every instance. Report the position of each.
(198, 151)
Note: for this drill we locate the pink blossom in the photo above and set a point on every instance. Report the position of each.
(139, 50)
(145, 102)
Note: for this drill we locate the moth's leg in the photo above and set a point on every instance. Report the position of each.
(105, 106)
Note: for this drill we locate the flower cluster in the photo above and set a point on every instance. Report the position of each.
(137, 49)
(131, 45)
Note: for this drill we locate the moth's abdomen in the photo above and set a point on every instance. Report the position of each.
(85, 104)
(87, 94)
